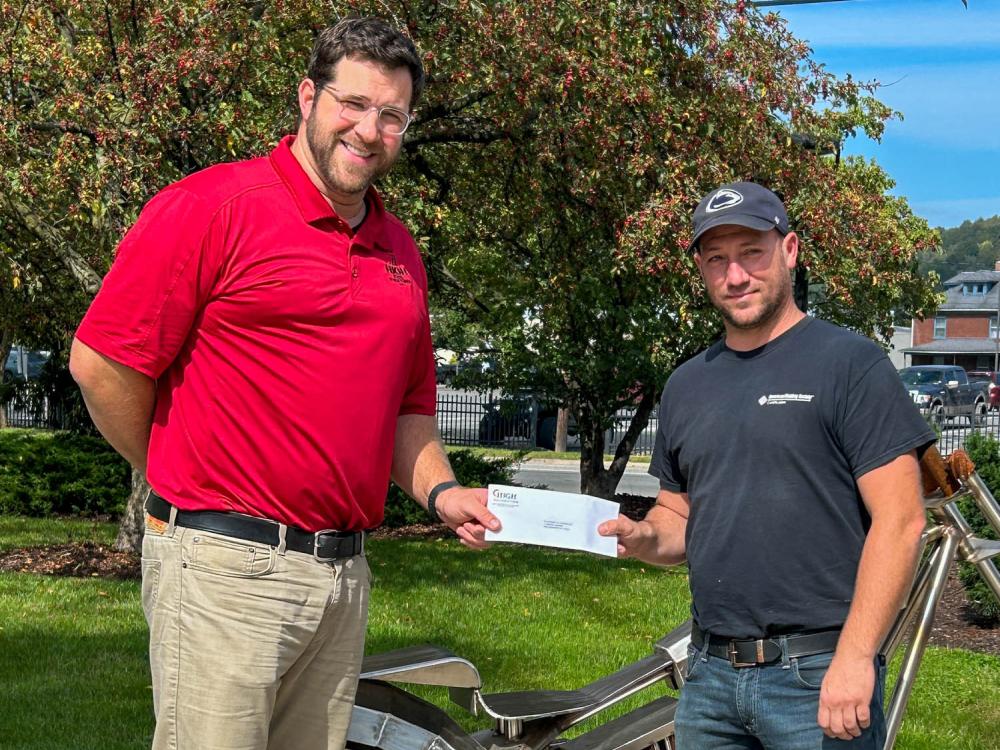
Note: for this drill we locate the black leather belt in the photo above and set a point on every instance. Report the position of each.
(752, 653)
(325, 546)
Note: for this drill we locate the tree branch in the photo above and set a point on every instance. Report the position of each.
(86, 277)
(61, 127)
(113, 48)
(424, 168)
(453, 107)
(456, 135)
(639, 421)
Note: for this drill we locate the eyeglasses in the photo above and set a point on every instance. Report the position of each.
(391, 121)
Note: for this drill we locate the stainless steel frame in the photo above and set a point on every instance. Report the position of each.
(947, 538)
(390, 718)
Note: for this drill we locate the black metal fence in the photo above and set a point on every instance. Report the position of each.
(470, 418)
(493, 419)
(26, 404)
(954, 431)
(464, 418)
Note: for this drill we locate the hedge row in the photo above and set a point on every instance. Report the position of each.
(45, 473)
(984, 450)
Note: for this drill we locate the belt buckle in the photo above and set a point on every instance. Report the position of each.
(316, 556)
(732, 652)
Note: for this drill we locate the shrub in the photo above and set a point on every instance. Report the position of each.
(46, 473)
(984, 450)
(471, 469)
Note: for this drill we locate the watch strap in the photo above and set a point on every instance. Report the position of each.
(432, 497)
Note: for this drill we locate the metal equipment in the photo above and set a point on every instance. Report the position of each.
(390, 718)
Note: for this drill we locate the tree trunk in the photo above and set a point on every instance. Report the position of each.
(801, 288)
(133, 521)
(562, 429)
(595, 479)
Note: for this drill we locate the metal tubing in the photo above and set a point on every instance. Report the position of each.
(952, 516)
(917, 591)
(985, 500)
(915, 600)
(991, 510)
(911, 661)
(575, 719)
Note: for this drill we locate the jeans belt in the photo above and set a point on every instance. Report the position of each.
(325, 546)
(751, 653)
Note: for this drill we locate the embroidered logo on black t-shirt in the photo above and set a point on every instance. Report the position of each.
(785, 398)
(397, 272)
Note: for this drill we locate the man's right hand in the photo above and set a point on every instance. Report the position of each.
(658, 538)
(633, 537)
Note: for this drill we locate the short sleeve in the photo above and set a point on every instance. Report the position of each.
(880, 421)
(162, 275)
(664, 464)
(421, 390)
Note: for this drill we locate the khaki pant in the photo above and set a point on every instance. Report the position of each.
(250, 649)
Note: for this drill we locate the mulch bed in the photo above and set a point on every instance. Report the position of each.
(954, 625)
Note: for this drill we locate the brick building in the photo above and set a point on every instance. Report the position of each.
(964, 331)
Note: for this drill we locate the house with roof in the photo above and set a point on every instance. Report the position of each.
(964, 331)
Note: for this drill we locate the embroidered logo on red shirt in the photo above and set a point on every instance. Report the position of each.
(397, 272)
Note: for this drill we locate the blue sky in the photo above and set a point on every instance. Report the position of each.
(940, 66)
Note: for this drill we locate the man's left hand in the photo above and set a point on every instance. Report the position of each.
(845, 697)
(464, 511)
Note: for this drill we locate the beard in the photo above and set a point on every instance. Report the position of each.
(337, 176)
(773, 302)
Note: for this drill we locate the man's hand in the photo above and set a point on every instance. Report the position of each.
(633, 538)
(659, 537)
(845, 697)
(464, 511)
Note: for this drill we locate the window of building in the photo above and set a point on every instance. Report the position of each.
(974, 290)
(993, 328)
(941, 328)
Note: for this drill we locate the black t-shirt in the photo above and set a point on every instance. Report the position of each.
(768, 444)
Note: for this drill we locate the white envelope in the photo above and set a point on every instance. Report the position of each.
(551, 519)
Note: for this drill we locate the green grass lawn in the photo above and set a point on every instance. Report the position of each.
(73, 652)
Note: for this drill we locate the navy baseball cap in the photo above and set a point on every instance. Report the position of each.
(744, 204)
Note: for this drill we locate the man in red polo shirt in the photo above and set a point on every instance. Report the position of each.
(261, 350)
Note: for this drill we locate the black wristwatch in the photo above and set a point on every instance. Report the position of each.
(432, 497)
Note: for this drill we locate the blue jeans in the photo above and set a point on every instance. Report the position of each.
(773, 707)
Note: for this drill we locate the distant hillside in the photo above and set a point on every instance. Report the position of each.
(973, 246)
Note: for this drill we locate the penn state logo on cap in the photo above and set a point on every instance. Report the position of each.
(745, 204)
(724, 198)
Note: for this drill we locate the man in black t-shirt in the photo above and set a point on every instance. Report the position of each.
(787, 456)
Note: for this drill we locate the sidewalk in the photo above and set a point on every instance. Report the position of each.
(564, 475)
(574, 464)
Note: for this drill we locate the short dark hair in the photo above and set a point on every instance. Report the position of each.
(369, 39)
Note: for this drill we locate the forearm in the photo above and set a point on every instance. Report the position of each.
(120, 401)
(661, 532)
(419, 461)
(884, 577)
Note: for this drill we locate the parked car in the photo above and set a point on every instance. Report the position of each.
(992, 377)
(511, 417)
(22, 364)
(444, 373)
(942, 391)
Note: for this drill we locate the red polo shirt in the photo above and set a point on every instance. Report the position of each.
(283, 344)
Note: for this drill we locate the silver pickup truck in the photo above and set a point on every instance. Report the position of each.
(942, 391)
